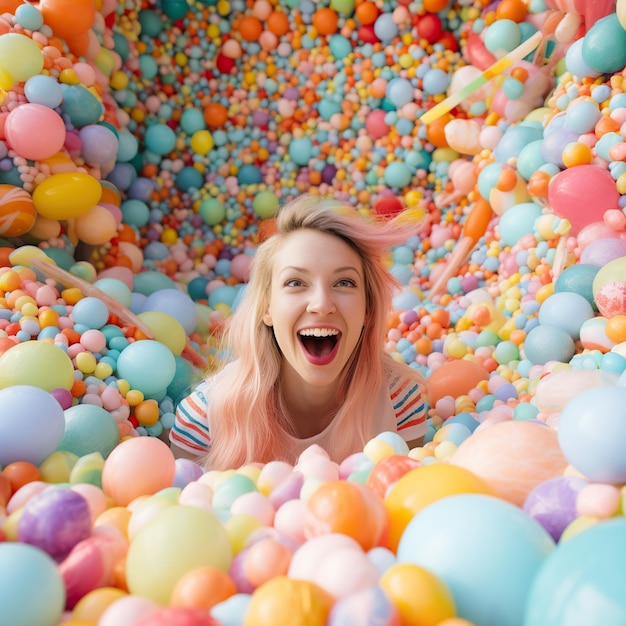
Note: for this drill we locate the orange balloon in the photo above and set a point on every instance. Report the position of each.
(202, 587)
(435, 131)
(514, 10)
(68, 18)
(455, 378)
(325, 21)
(477, 220)
(366, 13)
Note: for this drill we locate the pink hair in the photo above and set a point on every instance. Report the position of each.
(246, 422)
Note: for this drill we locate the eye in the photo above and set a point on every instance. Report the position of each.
(293, 282)
(346, 282)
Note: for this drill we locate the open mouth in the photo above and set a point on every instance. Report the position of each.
(320, 344)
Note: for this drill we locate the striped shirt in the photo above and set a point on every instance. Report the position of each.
(400, 408)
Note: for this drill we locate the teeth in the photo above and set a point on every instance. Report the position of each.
(319, 332)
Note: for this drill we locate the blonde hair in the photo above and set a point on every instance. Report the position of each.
(247, 423)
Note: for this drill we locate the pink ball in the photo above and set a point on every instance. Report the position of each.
(178, 616)
(611, 299)
(376, 125)
(138, 467)
(35, 131)
(127, 611)
(240, 267)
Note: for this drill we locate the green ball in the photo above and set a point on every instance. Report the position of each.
(265, 204)
(178, 539)
(344, 7)
(212, 211)
(36, 363)
(89, 428)
(148, 282)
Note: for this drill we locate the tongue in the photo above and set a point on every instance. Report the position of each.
(318, 346)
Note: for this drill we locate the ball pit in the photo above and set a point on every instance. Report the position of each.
(144, 151)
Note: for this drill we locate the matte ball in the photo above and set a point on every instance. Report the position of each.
(548, 343)
(148, 366)
(31, 424)
(89, 428)
(592, 433)
(583, 580)
(487, 551)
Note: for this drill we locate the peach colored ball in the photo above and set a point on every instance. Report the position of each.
(512, 457)
(266, 559)
(140, 466)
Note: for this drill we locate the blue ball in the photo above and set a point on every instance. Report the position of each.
(546, 342)
(148, 366)
(31, 588)
(592, 433)
(486, 550)
(89, 428)
(175, 302)
(90, 312)
(566, 310)
(583, 580)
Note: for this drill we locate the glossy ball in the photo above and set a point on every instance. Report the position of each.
(88, 429)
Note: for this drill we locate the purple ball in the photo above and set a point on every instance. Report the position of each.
(600, 251)
(54, 521)
(187, 471)
(553, 503)
(366, 606)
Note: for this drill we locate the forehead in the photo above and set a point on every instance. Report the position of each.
(306, 247)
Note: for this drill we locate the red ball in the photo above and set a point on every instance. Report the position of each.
(429, 27)
(388, 207)
(367, 34)
(224, 64)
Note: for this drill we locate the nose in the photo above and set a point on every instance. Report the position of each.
(321, 301)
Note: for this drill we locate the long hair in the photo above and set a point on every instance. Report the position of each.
(247, 422)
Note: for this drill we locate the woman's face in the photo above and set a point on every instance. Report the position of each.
(317, 306)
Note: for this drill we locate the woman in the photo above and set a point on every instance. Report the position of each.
(308, 365)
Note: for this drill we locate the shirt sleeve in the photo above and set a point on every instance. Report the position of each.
(409, 407)
(191, 428)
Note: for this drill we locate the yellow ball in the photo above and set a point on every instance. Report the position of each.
(166, 329)
(91, 606)
(422, 598)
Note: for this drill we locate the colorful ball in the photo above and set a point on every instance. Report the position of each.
(89, 428)
(31, 424)
(148, 366)
(452, 537)
(359, 608)
(17, 211)
(31, 587)
(175, 542)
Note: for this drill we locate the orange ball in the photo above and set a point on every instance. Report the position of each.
(507, 179)
(576, 153)
(17, 211)
(366, 13)
(278, 23)
(434, 6)
(455, 378)
(538, 184)
(514, 10)
(325, 21)
(435, 131)
(215, 115)
(21, 473)
(68, 18)
(615, 328)
(250, 28)
(202, 587)
(347, 508)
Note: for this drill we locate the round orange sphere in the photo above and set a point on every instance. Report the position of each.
(455, 378)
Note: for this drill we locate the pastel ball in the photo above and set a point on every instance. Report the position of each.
(583, 580)
(148, 366)
(89, 428)
(116, 289)
(518, 221)
(166, 329)
(547, 342)
(160, 554)
(31, 588)
(452, 538)
(90, 312)
(17, 211)
(592, 433)
(31, 424)
(37, 363)
(178, 304)
(568, 311)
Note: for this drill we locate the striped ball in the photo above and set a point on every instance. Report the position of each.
(17, 211)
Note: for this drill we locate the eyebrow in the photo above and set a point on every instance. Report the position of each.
(339, 270)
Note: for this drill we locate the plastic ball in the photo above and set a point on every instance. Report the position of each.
(568, 311)
(89, 428)
(455, 378)
(346, 508)
(137, 467)
(604, 45)
(31, 424)
(288, 602)
(126, 611)
(66, 195)
(177, 304)
(17, 211)
(451, 537)
(421, 597)
(553, 503)
(202, 587)
(160, 554)
(424, 485)
(177, 616)
(38, 364)
(148, 366)
(582, 581)
(31, 587)
(97, 226)
(20, 56)
(592, 433)
(512, 457)
(54, 521)
(362, 606)
(547, 342)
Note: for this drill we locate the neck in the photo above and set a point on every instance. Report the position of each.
(309, 412)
